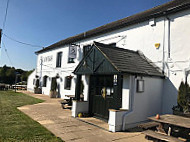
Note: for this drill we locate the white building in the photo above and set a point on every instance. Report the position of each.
(161, 34)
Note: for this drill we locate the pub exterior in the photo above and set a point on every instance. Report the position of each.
(124, 71)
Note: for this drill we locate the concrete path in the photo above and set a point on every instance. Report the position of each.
(59, 121)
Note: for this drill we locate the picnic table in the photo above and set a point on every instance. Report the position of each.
(67, 103)
(170, 127)
(174, 120)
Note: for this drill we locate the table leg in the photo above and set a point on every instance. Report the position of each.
(169, 131)
(160, 128)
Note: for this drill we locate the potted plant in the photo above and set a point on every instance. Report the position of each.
(37, 90)
(53, 91)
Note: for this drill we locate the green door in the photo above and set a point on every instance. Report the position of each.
(102, 96)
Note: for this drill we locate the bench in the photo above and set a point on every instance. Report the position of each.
(151, 135)
(149, 125)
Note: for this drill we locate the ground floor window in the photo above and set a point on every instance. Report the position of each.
(68, 80)
(45, 81)
(104, 85)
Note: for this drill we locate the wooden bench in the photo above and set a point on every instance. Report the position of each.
(149, 125)
(158, 136)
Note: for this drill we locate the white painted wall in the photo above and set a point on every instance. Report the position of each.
(30, 81)
(126, 92)
(144, 104)
(85, 79)
(142, 37)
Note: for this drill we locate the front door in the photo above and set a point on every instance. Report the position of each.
(102, 96)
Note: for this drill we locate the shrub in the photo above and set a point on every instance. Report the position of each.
(183, 96)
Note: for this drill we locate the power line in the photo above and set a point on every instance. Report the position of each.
(7, 54)
(5, 19)
(21, 41)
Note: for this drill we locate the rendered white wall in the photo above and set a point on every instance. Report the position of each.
(86, 82)
(30, 81)
(147, 103)
(125, 92)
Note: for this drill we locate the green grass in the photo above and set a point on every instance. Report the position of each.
(15, 126)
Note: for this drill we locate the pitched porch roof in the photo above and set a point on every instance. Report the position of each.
(106, 59)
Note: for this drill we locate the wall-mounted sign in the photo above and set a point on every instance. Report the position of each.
(47, 58)
(72, 51)
(157, 45)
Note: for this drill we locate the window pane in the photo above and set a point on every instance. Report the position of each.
(86, 49)
(68, 82)
(59, 58)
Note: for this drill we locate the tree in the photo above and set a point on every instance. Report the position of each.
(7, 75)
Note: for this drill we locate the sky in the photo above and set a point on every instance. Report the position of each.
(44, 22)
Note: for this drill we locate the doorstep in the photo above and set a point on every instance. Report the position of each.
(102, 124)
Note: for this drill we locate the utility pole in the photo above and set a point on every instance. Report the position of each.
(16, 78)
(0, 36)
(41, 61)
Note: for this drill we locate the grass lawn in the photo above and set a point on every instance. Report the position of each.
(15, 125)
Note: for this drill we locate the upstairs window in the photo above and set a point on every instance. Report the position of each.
(45, 81)
(71, 60)
(86, 49)
(68, 80)
(59, 58)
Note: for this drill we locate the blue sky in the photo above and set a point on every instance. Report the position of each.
(44, 22)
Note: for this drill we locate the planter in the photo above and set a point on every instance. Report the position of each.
(37, 91)
(53, 94)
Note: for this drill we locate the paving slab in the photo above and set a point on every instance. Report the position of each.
(60, 122)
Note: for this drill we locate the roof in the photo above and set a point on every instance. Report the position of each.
(125, 61)
(165, 9)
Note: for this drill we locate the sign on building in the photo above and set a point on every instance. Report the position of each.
(72, 51)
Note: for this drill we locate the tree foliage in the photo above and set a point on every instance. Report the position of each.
(8, 75)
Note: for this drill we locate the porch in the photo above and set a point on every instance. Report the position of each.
(113, 77)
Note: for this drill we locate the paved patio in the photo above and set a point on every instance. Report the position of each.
(60, 122)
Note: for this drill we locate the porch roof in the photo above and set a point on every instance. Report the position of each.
(124, 61)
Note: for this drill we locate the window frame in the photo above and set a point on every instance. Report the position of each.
(68, 83)
(86, 49)
(59, 59)
(45, 78)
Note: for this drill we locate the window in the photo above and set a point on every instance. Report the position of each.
(140, 86)
(71, 60)
(86, 49)
(45, 81)
(68, 80)
(59, 58)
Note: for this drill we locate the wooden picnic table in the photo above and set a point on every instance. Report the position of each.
(174, 120)
(173, 125)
